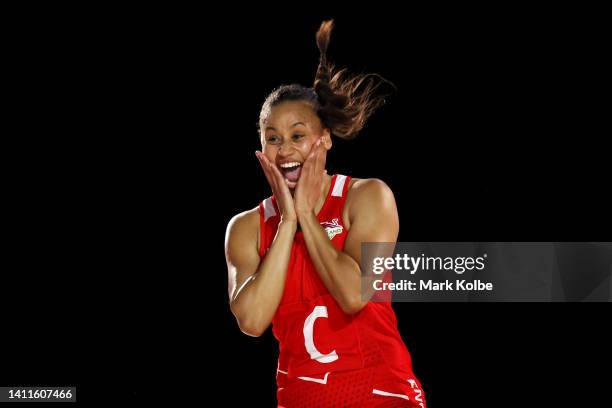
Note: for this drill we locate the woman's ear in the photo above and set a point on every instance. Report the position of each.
(327, 141)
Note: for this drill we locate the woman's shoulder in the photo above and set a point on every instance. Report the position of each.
(367, 187)
(245, 222)
(365, 192)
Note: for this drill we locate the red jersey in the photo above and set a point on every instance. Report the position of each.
(324, 351)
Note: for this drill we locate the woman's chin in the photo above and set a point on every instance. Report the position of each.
(291, 184)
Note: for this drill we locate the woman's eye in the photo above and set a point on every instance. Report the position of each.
(272, 139)
(297, 136)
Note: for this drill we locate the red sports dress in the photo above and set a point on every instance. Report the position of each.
(328, 358)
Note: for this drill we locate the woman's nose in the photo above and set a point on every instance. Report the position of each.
(284, 149)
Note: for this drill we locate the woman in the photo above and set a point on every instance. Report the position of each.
(294, 260)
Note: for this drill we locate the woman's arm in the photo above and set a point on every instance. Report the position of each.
(256, 288)
(373, 217)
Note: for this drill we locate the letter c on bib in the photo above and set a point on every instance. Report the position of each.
(319, 311)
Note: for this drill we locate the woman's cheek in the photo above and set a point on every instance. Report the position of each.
(306, 146)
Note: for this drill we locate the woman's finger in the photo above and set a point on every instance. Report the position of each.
(280, 179)
(316, 168)
(309, 163)
(320, 157)
(309, 160)
(264, 167)
(276, 183)
(273, 180)
(282, 188)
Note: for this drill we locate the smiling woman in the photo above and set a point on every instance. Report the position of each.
(293, 261)
(299, 122)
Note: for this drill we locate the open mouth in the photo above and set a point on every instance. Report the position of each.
(291, 171)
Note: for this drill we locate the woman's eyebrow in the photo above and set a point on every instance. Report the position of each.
(295, 124)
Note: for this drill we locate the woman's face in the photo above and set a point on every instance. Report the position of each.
(287, 135)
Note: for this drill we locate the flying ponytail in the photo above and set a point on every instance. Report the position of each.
(346, 101)
(342, 101)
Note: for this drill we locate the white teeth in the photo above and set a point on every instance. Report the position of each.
(287, 165)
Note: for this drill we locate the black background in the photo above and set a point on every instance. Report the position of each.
(132, 145)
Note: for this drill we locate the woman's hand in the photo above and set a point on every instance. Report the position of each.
(310, 184)
(281, 192)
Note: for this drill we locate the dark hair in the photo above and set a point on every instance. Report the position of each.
(343, 102)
